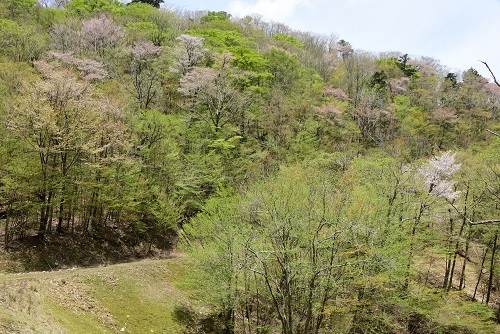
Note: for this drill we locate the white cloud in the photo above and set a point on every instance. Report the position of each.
(275, 10)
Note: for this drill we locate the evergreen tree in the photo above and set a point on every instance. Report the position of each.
(154, 3)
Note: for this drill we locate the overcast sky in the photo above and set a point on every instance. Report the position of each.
(458, 33)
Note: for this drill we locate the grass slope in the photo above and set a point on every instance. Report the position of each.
(138, 297)
(161, 296)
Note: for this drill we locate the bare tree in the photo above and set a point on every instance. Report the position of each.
(59, 3)
(143, 73)
(65, 36)
(44, 3)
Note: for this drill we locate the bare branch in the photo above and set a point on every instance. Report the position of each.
(472, 223)
(493, 132)
(491, 72)
(482, 222)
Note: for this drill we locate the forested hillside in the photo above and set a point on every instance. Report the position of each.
(314, 187)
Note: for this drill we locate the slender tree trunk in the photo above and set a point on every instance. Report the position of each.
(455, 254)
(452, 271)
(448, 268)
(410, 258)
(479, 276)
(492, 268)
(64, 170)
(45, 196)
(45, 213)
(457, 244)
(247, 319)
(327, 289)
(257, 300)
(461, 285)
(61, 208)
(7, 222)
(410, 253)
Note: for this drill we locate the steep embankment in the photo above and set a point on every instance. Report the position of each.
(139, 297)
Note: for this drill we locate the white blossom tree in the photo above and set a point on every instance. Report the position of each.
(438, 176)
(188, 54)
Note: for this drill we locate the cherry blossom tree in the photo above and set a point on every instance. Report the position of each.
(100, 33)
(88, 69)
(212, 94)
(188, 54)
(438, 175)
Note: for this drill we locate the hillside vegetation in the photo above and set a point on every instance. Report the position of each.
(156, 296)
(140, 297)
(311, 187)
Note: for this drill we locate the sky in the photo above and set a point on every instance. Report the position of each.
(458, 33)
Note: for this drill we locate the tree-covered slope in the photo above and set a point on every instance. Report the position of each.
(315, 187)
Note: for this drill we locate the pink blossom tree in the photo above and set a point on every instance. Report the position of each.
(101, 33)
(212, 95)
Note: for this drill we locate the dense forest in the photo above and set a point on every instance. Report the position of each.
(315, 187)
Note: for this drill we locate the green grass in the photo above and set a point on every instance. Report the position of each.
(140, 297)
(162, 296)
(453, 311)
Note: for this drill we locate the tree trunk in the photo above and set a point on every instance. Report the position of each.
(448, 267)
(61, 208)
(412, 240)
(6, 236)
(480, 273)
(45, 213)
(461, 285)
(492, 268)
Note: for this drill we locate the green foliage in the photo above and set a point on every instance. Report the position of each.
(433, 310)
(271, 231)
(18, 9)
(288, 41)
(379, 81)
(154, 3)
(283, 66)
(21, 42)
(215, 16)
(82, 7)
(248, 59)
(142, 30)
(390, 66)
(134, 11)
(221, 39)
(408, 69)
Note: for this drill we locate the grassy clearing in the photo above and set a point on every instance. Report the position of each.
(162, 296)
(138, 297)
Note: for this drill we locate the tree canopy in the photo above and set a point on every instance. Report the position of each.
(154, 3)
(314, 187)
